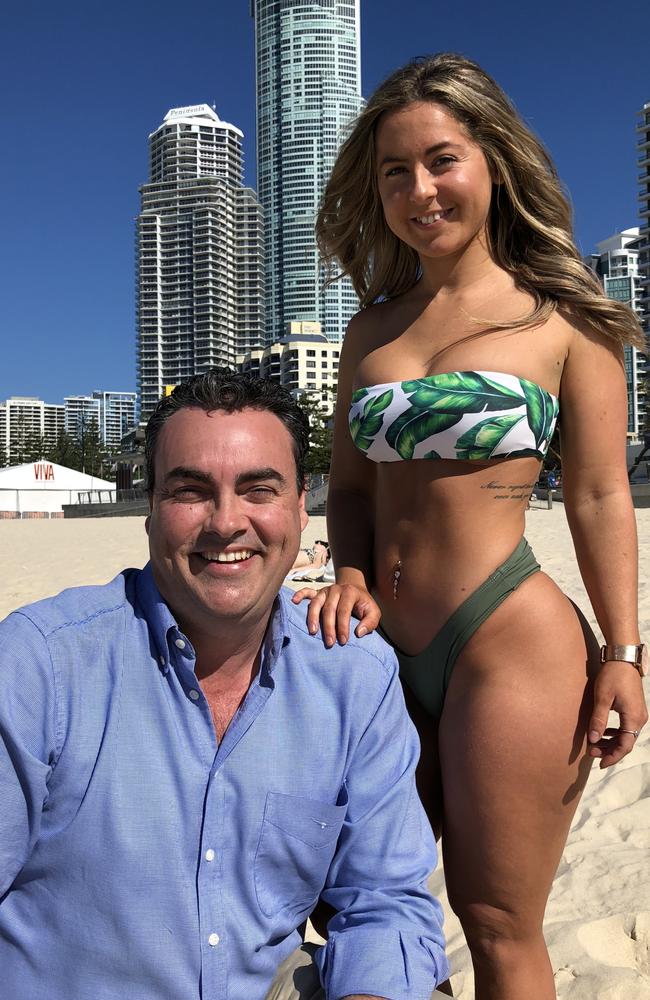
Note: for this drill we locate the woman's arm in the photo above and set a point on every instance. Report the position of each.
(601, 518)
(350, 516)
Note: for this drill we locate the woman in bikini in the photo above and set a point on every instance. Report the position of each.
(479, 326)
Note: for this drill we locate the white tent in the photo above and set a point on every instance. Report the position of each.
(41, 488)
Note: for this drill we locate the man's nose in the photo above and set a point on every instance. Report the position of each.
(226, 516)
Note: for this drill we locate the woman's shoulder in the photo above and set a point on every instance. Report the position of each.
(379, 319)
(376, 312)
(366, 328)
(583, 337)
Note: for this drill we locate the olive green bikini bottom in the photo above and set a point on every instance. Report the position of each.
(429, 672)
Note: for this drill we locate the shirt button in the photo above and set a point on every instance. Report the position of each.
(213, 940)
(194, 695)
(209, 855)
(179, 643)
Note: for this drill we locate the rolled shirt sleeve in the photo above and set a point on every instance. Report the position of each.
(386, 938)
(27, 741)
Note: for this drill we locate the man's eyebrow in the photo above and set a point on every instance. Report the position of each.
(428, 152)
(185, 472)
(260, 474)
(250, 475)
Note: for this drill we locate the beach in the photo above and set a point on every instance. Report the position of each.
(598, 917)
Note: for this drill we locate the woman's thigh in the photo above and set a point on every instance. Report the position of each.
(512, 754)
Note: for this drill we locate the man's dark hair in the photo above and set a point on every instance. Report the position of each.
(223, 389)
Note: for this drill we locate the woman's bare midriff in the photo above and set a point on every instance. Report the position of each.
(450, 524)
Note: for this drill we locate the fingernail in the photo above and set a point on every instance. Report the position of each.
(361, 631)
(313, 629)
(594, 736)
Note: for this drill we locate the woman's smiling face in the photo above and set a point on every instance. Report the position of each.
(434, 182)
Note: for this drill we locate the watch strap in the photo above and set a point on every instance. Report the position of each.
(637, 655)
(632, 654)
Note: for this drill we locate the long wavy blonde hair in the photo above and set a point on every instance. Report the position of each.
(529, 225)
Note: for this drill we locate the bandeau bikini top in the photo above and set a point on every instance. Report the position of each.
(462, 415)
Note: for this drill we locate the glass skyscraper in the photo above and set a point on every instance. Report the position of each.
(200, 250)
(308, 79)
(643, 162)
(616, 263)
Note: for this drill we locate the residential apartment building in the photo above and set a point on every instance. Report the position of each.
(81, 412)
(304, 361)
(643, 160)
(116, 416)
(616, 262)
(200, 252)
(53, 421)
(308, 89)
(112, 412)
(24, 419)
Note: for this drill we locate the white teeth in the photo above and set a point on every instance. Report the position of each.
(427, 220)
(227, 557)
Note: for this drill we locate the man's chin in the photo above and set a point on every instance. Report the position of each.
(212, 611)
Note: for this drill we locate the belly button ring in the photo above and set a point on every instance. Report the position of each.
(397, 572)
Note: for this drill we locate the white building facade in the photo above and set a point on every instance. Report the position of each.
(81, 412)
(24, 419)
(200, 250)
(112, 412)
(116, 416)
(643, 160)
(304, 361)
(308, 90)
(616, 262)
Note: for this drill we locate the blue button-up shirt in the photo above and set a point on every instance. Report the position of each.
(141, 859)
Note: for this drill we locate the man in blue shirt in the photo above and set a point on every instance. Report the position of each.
(184, 772)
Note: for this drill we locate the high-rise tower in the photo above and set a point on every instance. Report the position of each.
(616, 263)
(308, 78)
(200, 248)
(643, 160)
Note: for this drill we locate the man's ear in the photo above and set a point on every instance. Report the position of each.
(304, 516)
(147, 522)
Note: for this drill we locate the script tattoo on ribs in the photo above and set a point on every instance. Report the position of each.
(509, 491)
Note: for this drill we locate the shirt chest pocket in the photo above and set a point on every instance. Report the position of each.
(296, 845)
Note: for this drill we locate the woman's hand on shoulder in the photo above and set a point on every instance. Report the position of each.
(617, 688)
(334, 606)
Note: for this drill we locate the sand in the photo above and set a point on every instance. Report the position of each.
(598, 917)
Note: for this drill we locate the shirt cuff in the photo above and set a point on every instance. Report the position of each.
(379, 962)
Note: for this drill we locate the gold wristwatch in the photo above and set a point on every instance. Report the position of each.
(636, 655)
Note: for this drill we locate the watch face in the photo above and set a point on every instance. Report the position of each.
(644, 660)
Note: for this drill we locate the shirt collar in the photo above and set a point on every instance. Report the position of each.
(277, 634)
(161, 623)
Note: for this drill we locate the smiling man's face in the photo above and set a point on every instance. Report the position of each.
(225, 519)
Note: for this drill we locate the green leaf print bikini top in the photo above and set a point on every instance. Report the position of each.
(463, 415)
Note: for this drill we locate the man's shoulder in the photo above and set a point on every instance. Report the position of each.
(370, 653)
(76, 606)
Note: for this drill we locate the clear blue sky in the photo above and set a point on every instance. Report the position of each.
(85, 82)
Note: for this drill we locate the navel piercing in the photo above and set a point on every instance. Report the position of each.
(397, 572)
